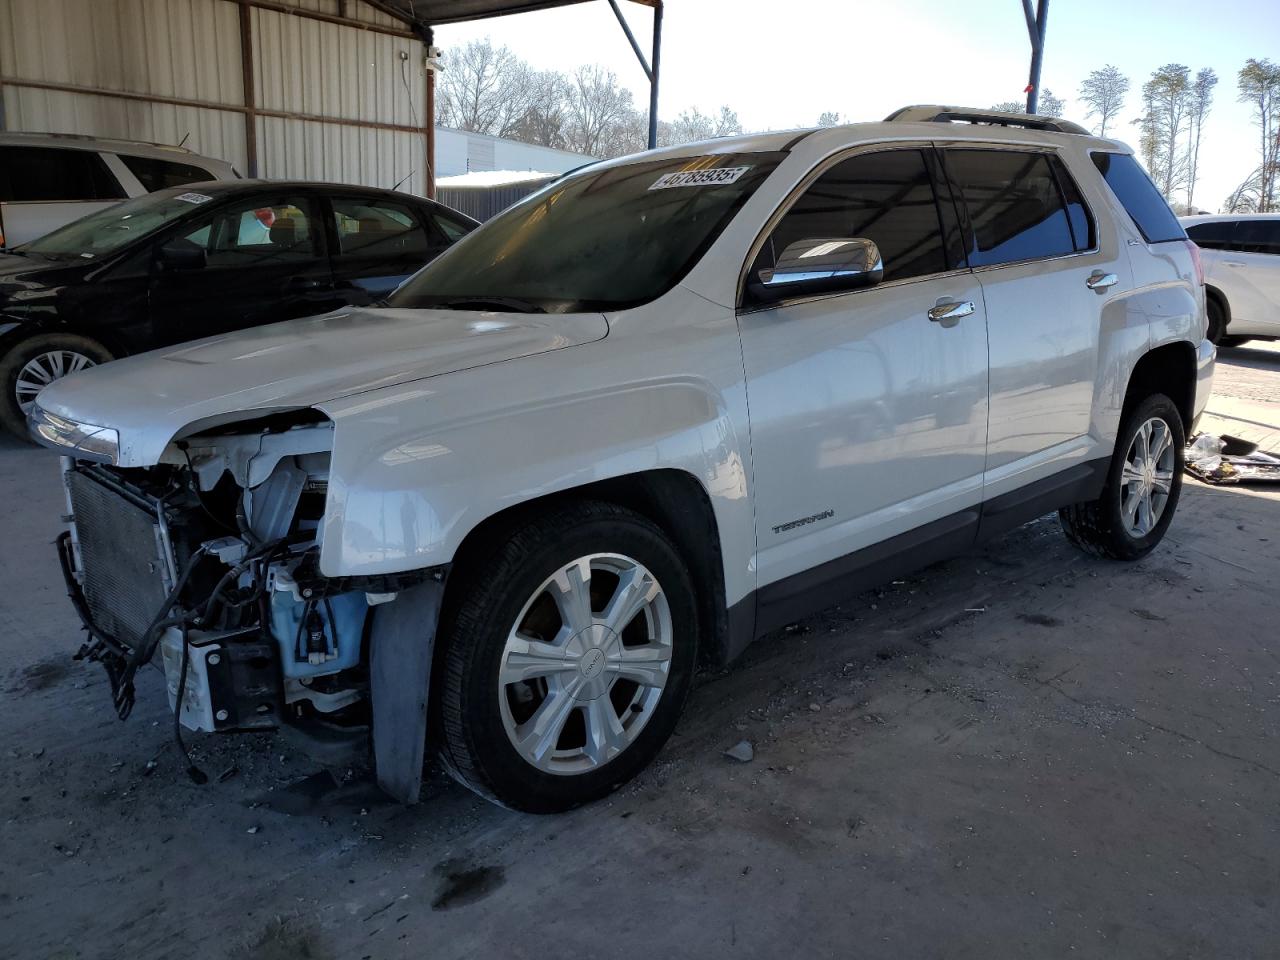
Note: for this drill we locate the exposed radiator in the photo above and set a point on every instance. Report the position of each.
(121, 557)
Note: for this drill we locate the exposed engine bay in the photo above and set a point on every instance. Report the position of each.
(208, 565)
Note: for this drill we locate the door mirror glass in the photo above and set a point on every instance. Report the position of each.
(820, 265)
(183, 255)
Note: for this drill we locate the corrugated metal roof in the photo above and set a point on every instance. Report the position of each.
(455, 11)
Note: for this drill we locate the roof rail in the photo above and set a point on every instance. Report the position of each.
(928, 113)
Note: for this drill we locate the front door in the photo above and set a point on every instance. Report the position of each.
(868, 408)
(1253, 263)
(265, 261)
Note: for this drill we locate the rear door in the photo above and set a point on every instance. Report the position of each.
(43, 188)
(1253, 264)
(1047, 281)
(265, 261)
(378, 244)
(868, 416)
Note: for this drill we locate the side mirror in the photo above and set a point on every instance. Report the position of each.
(183, 255)
(822, 265)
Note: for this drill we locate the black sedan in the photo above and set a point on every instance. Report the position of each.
(200, 260)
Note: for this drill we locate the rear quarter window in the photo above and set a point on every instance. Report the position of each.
(155, 174)
(1139, 197)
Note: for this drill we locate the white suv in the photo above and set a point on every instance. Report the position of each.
(664, 406)
(1241, 254)
(47, 180)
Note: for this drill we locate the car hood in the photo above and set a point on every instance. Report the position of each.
(152, 397)
(22, 278)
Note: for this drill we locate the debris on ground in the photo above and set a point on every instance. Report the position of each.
(1229, 459)
(742, 751)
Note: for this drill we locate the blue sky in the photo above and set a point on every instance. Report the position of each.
(780, 64)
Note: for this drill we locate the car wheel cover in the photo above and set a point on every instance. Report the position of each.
(1146, 479)
(44, 368)
(606, 661)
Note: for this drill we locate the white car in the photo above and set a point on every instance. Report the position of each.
(47, 180)
(1241, 256)
(662, 407)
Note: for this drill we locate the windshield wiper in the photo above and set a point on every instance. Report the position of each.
(512, 304)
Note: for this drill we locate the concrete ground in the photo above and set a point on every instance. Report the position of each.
(1023, 752)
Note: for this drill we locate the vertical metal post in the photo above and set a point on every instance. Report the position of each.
(1036, 29)
(429, 179)
(653, 73)
(250, 98)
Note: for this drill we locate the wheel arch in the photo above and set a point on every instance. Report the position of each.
(673, 499)
(1169, 369)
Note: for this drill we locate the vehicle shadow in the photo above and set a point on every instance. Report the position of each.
(1252, 357)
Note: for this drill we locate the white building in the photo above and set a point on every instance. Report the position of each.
(332, 90)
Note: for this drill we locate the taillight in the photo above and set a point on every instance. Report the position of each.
(1195, 258)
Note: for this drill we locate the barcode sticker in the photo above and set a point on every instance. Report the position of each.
(699, 178)
(193, 198)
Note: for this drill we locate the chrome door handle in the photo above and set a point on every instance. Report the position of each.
(1234, 263)
(948, 313)
(1100, 281)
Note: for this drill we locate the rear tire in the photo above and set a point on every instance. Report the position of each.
(567, 658)
(34, 363)
(1217, 321)
(1142, 489)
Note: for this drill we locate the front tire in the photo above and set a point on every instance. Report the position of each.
(566, 659)
(1143, 485)
(34, 363)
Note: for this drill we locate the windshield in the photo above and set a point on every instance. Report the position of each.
(109, 230)
(602, 240)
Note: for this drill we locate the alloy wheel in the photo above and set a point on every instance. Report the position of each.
(1147, 477)
(585, 664)
(44, 368)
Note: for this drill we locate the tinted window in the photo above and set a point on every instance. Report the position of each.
(155, 174)
(607, 238)
(452, 229)
(1016, 211)
(1082, 228)
(42, 174)
(1139, 196)
(249, 233)
(1215, 235)
(1257, 236)
(379, 230)
(886, 197)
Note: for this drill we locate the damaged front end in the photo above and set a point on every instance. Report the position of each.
(208, 564)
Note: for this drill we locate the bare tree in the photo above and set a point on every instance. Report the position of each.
(1010, 106)
(1103, 91)
(829, 118)
(1245, 198)
(694, 125)
(598, 111)
(1259, 86)
(1200, 101)
(481, 88)
(1166, 101)
(1049, 105)
(545, 119)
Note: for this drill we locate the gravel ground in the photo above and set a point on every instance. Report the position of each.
(1023, 752)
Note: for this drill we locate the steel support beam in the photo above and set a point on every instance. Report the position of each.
(1036, 23)
(649, 66)
(250, 94)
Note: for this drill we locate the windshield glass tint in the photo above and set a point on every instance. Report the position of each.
(605, 239)
(111, 229)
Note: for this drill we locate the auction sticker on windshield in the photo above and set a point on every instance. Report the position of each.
(193, 197)
(699, 178)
